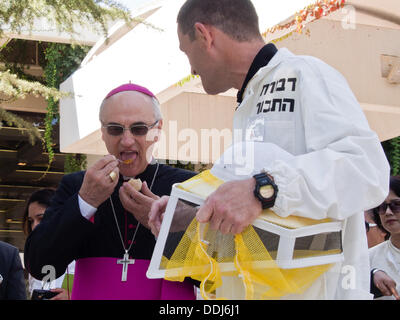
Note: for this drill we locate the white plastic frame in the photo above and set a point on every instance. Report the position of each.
(287, 239)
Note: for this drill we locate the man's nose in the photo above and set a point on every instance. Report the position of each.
(127, 138)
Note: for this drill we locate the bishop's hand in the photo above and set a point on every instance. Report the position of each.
(232, 207)
(100, 181)
(138, 203)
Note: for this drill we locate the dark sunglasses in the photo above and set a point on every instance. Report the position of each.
(394, 207)
(135, 129)
(369, 225)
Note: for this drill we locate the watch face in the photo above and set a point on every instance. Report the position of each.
(267, 191)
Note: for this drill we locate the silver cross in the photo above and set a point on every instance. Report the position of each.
(125, 262)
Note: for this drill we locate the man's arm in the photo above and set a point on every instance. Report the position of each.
(16, 289)
(57, 240)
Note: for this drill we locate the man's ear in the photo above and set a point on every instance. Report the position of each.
(159, 127)
(204, 34)
(155, 133)
(160, 124)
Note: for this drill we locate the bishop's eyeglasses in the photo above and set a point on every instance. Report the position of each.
(137, 129)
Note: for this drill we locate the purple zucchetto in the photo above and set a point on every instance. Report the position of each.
(130, 87)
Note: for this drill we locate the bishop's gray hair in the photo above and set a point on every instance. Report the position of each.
(156, 109)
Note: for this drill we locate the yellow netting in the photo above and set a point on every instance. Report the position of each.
(209, 256)
(206, 255)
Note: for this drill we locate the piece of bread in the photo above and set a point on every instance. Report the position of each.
(136, 183)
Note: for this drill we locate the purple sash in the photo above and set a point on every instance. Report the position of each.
(100, 279)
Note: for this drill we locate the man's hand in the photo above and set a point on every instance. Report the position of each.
(385, 284)
(232, 207)
(156, 214)
(97, 184)
(137, 203)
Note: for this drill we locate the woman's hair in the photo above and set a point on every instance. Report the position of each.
(43, 197)
(394, 185)
(375, 217)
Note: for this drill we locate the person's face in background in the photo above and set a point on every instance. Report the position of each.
(374, 235)
(35, 213)
(391, 220)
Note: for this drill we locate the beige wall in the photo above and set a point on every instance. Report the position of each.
(188, 121)
(356, 53)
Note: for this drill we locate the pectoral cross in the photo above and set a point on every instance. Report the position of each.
(125, 262)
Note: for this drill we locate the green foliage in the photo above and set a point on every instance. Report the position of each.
(189, 78)
(27, 128)
(178, 164)
(70, 16)
(62, 15)
(392, 150)
(14, 88)
(74, 163)
(61, 61)
(187, 165)
(20, 51)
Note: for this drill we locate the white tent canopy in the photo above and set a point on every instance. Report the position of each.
(152, 58)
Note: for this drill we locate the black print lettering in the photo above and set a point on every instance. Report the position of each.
(281, 85)
(267, 109)
(293, 80)
(260, 106)
(276, 105)
(276, 102)
(264, 89)
(291, 105)
(272, 87)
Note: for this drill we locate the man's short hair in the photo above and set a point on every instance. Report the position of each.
(236, 18)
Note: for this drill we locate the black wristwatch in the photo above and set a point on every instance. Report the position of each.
(266, 190)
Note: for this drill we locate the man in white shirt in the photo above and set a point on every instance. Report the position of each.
(326, 162)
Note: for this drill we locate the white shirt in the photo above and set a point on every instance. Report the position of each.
(386, 257)
(311, 135)
(86, 209)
